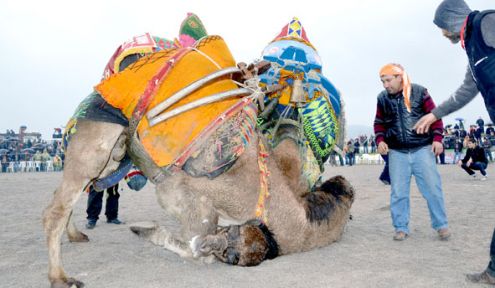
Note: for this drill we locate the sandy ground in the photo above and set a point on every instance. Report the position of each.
(365, 257)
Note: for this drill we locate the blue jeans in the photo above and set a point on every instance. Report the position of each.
(421, 164)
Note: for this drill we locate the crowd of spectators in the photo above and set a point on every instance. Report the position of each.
(20, 152)
(454, 141)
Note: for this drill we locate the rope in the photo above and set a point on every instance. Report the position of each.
(264, 191)
(207, 57)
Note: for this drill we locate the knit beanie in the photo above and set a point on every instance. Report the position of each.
(450, 15)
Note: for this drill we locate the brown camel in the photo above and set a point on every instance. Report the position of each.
(294, 219)
(299, 220)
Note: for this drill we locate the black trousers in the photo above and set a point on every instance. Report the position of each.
(474, 166)
(95, 200)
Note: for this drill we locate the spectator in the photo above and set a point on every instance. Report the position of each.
(95, 200)
(349, 153)
(487, 145)
(357, 147)
(481, 123)
(365, 144)
(458, 147)
(477, 134)
(373, 144)
(475, 159)
(490, 130)
(5, 163)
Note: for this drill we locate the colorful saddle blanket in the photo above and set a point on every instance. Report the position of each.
(166, 141)
(293, 58)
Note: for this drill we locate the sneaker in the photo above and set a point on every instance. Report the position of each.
(115, 221)
(400, 236)
(91, 224)
(484, 178)
(483, 278)
(444, 234)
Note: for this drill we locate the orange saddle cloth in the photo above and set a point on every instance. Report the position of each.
(166, 140)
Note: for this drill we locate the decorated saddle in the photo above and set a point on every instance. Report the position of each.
(181, 97)
(304, 96)
(307, 95)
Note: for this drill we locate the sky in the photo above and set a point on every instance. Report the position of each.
(53, 52)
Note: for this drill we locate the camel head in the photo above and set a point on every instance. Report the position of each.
(245, 245)
(340, 188)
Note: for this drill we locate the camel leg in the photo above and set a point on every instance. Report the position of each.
(73, 233)
(87, 155)
(195, 212)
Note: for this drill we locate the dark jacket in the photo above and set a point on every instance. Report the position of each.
(394, 124)
(477, 154)
(468, 90)
(481, 59)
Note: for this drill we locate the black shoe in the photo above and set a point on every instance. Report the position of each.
(115, 221)
(91, 224)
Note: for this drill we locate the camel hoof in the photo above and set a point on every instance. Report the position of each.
(69, 283)
(79, 237)
(144, 228)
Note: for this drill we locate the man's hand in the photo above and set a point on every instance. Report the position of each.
(437, 148)
(423, 125)
(383, 148)
(459, 162)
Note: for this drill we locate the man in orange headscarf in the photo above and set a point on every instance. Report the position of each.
(399, 107)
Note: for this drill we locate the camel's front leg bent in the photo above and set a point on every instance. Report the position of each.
(87, 155)
(194, 211)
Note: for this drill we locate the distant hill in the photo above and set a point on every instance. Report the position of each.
(354, 131)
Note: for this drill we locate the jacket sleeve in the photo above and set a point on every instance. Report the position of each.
(437, 126)
(462, 96)
(468, 155)
(378, 125)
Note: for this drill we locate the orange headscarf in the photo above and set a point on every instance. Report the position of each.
(394, 70)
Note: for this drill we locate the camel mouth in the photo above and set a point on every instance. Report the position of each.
(248, 244)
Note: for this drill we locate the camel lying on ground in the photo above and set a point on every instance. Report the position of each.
(297, 219)
(258, 182)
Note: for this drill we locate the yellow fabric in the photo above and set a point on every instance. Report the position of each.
(135, 50)
(166, 140)
(394, 70)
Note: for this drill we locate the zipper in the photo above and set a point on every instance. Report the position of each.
(403, 128)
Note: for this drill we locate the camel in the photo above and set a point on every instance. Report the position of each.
(259, 182)
(298, 220)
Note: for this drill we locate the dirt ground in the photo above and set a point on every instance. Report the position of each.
(365, 257)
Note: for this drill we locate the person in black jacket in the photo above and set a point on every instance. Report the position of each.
(398, 107)
(475, 30)
(475, 159)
